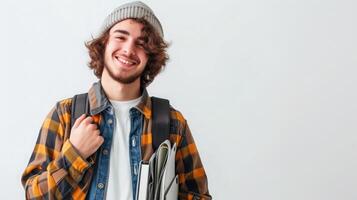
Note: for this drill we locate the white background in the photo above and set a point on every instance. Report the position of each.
(267, 86)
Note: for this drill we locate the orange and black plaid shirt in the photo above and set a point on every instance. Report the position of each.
(57, 171)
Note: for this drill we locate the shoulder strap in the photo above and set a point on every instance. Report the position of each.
(80, 106)
(160, 120)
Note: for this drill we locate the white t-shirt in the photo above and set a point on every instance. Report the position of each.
(119, 181)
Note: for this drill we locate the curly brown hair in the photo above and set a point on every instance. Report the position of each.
(155, 47)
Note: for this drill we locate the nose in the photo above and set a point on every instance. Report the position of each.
(129, 48)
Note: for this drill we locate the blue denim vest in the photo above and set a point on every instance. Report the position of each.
(99, 181)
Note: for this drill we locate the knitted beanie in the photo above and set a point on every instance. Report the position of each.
(136, 9)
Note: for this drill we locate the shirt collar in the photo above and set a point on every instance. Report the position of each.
(98, 101)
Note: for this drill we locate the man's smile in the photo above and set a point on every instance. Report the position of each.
(126, 61)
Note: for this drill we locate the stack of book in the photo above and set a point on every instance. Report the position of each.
(157, 178)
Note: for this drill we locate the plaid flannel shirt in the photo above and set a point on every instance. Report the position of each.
(57, 171)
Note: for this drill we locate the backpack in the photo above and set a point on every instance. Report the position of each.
(160, 116)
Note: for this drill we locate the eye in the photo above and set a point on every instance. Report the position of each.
(119, 37)
(140, 44)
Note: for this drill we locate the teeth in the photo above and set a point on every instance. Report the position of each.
(125, 61)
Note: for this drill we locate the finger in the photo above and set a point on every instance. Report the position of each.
(100, 140)
(97, 132)
(78, 121)
(97, 143)
(92, 127)
(87, 120)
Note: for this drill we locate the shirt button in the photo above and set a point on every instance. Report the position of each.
(100, 185)
(110, 121)
(105, 151)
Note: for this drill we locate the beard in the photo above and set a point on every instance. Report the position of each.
(124, 79)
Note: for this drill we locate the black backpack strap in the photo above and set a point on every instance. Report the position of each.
(160, 127)
(80, 105)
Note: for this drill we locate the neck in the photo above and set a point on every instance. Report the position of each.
(121, 92)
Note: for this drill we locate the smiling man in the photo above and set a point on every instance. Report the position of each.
(98, 156)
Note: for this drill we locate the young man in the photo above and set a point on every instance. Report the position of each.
(98, 157)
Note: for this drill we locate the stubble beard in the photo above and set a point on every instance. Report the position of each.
(123, 79)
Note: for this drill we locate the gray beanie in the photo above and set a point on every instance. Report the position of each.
(136, 9)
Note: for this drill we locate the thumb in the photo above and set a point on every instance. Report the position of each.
(79, 120)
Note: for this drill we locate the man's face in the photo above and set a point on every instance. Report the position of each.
(124, 57)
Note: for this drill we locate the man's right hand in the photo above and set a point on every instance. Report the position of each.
(85, 136)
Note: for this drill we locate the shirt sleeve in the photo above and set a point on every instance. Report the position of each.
(192, 176)
(55, 167)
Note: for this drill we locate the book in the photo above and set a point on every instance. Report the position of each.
(157, 179)
(141, 191)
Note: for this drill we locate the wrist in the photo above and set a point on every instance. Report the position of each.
(78, 151)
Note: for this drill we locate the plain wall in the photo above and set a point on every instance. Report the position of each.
(268, 88)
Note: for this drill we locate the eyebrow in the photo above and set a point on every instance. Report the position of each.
(122, 31)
